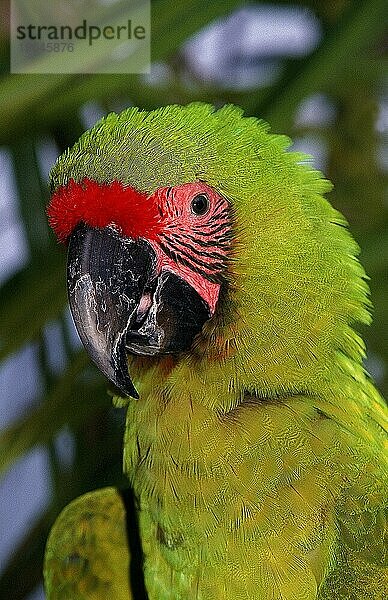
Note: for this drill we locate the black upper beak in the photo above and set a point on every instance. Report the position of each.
(120, 304)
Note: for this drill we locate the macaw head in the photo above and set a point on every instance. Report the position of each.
(144, 271)
(193, 234)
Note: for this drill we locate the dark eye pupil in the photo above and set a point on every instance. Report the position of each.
(200, 204)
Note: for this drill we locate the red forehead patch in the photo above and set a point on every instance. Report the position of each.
(100, 204)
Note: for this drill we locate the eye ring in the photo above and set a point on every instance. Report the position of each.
(200, 204)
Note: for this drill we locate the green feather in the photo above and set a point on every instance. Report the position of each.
(260, 457)
(87, 554)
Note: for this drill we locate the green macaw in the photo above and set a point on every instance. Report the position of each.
(217, 290)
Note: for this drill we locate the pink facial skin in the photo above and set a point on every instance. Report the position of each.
(188, 226)
(194, 246)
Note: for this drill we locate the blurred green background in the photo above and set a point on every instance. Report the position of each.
(316, 71)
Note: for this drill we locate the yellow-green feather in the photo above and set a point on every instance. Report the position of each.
(87, 555)
(259, 457)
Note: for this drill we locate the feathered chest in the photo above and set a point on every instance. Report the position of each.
(220, 495)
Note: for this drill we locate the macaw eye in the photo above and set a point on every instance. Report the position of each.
(200, 204)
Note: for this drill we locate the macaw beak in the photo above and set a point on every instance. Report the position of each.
(121, 304)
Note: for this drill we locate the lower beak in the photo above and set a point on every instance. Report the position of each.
(121, 304)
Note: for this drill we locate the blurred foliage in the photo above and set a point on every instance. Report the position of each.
(348, 66)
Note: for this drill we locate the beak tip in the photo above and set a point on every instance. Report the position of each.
(125, 387)
(133, 393)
